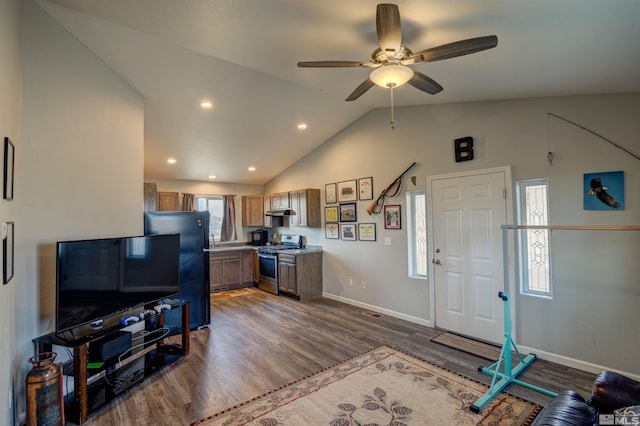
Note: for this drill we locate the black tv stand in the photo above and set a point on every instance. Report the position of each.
(94, 387)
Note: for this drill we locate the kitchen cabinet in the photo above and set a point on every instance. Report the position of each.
(252, 211)
(168, 202)
(267, 207)
(280, 201)
(300, 275)
(306, 205)
(230, 269)
(287, 274)
(247, 266)
(256, 267)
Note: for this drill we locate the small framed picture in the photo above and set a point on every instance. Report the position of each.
(367, 231)
(331, 214)
(348, 212)
(7, 254)
(347, 191)
(392, 217)
(331, 231)
(365, 188)
(330, 195)
(348, 232)
(9, 156)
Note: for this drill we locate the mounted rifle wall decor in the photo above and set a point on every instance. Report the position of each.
(390, 191)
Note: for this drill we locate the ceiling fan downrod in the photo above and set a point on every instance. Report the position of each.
(393, 124)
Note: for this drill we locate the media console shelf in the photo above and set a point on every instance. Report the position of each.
(93, 387)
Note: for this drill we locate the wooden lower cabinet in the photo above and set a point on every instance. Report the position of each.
(256, 267)
(300, 275)
(287, 274)
(230, 269)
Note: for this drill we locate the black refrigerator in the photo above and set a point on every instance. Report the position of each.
(193, 228)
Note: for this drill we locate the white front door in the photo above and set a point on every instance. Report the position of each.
(468, 212)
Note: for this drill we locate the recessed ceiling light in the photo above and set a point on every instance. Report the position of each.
(212, 176)
(252, 169)
(171, 161)
(302, 126)
(206, 105)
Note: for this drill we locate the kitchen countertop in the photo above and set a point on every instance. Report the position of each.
(236, 247)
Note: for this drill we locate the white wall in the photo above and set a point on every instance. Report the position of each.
(591, 314)
(80, 169)
(10, 102)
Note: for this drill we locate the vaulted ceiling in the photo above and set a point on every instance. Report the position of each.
(242, 55)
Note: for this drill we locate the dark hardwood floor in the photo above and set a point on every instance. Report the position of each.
(258, 342)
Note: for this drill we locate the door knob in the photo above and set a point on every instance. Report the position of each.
(437, 261)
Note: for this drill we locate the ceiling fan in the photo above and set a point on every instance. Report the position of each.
(390, 61)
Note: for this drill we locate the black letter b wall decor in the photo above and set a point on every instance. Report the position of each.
(463, 149)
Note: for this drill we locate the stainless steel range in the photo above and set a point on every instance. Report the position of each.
(268, 261)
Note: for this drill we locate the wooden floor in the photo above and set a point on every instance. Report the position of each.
(258, 342)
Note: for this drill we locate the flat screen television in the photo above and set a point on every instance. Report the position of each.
(102, 277)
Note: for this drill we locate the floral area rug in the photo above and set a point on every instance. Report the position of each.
(381, 387)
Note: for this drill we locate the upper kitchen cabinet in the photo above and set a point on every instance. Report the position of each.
(305, 203)
(267, 207)
(252, 211)
(280, 201)
(168, 202)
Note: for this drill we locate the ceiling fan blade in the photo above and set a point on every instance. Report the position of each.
(424, 83)
(455, 49)
(330, 64)
(389, 28)
(360, 90)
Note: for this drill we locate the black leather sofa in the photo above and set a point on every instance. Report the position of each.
(610, 392)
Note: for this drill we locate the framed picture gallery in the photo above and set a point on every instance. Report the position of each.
(331, 231)
(348, 232)
(330, 195)
(331, 214)
(365, 188)
(392, 217)
(367, 231)
(348, 212)
(347, 191)
(9, 156)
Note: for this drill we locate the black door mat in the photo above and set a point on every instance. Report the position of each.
(465, 344)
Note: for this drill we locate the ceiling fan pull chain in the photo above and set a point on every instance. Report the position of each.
(393, 124)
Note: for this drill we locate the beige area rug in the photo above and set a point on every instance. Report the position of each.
(464, 344)
(383, 386)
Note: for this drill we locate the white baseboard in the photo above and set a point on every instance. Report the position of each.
(379, 310)
(548, 356)
(574, 363)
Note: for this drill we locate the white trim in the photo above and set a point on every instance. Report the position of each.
(574, 363)
(509, 217)
(388, 312)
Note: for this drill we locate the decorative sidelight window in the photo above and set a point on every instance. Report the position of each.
(417, 233)
(535, 261)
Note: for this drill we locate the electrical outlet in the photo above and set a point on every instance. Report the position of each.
(350, 282)
(364, 285)
(387, 241)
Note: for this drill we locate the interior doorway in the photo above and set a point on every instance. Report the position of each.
(467, 211)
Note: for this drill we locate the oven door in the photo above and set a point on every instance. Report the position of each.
(268, 271)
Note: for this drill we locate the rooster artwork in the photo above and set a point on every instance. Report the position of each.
(598, 189)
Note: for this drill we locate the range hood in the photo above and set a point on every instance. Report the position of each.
(283, 212)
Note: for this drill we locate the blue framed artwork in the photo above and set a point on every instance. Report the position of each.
(604, 191)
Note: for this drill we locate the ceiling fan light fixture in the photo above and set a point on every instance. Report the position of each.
(391, 75)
